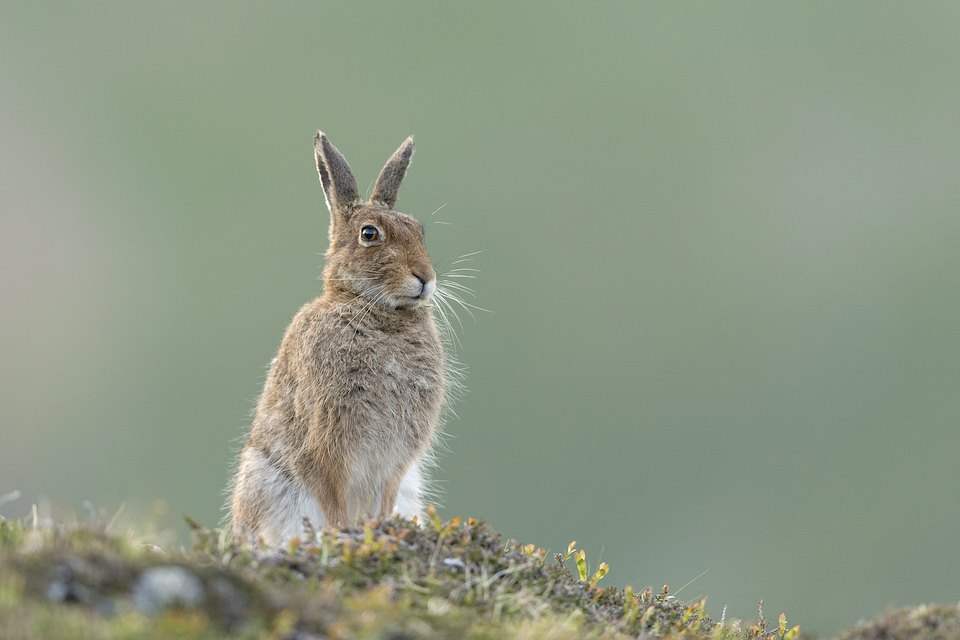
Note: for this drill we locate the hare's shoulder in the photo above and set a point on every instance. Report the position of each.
(316, 329)
(318, 316)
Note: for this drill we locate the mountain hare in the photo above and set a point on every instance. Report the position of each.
(352, 401)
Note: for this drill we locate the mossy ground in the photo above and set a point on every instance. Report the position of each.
(926, 622)
(386, 579)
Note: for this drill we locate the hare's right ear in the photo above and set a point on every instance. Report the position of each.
(339, 186)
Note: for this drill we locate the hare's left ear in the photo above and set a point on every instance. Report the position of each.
(388, 182)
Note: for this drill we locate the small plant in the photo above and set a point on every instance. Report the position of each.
(580, 560)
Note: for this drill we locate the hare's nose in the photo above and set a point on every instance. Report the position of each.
(424, 275)
(427, 285)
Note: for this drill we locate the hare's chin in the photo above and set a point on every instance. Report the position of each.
(408, 303)
(397, 301)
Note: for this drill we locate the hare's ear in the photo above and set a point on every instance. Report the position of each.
(339, 186)
(388, 182)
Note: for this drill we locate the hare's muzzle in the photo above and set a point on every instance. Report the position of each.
(428, 288)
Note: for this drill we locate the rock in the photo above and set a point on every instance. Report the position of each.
(65, 587)
(162, 588)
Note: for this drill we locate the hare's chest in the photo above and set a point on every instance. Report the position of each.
(412, 378)
(390, 385)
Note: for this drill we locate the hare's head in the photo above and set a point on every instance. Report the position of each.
(375, 252)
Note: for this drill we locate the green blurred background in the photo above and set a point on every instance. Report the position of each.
(721, 248)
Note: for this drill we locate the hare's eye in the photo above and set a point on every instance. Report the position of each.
(369, 233)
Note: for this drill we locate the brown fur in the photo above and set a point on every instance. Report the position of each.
(353, 398)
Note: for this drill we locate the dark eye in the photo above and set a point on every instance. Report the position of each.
(369, 233)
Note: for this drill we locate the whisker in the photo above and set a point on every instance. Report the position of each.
(368, 307)
(449, 331)
(443, 297)
(455, 298)
(454, 312)
(473, 306)
(451, 334)
(438, 208)
(464, 303)
(460, 287)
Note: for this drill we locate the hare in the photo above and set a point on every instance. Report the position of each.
(352, 401)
